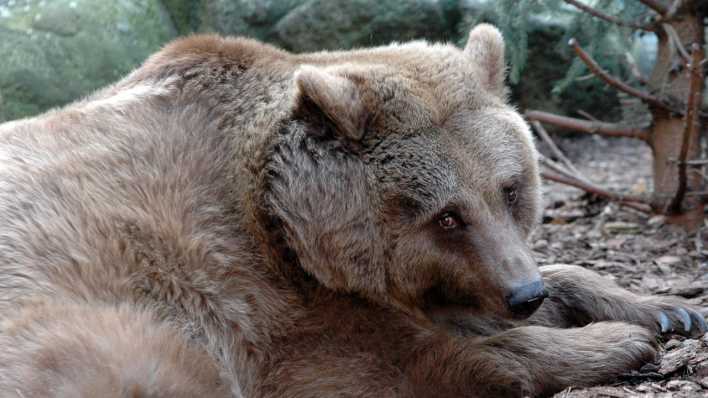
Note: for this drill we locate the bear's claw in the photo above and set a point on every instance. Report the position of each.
(700, 321)
(685, 319)
(664, 322)
(691, 321)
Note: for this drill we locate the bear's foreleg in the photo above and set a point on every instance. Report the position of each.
(578, 296)
(531, 360)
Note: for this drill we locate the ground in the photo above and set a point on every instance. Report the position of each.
(638, 251)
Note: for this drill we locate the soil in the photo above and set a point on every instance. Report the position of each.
(640, 252)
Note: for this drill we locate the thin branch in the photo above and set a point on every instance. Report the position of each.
(691, 124)
(609, 18)
(587, 115)
(690, 162)
(655, 5)
(673, 9)
(597, 70)
(601, 128)
(595, 190)
(701, 174)
(571, 179)
(674, 38)
(696, 162)
(698, 241)
(556, 151)
(554, 166)
(634, 68)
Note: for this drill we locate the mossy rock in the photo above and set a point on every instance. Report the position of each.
(253, 18)
(344, 24)
(56, 51)
(186, 15)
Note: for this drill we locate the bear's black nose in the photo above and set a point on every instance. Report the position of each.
(525, 300)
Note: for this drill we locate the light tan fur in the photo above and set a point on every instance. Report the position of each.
(71, 350)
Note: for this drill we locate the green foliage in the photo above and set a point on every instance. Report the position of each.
(186, 14)
(604, 41)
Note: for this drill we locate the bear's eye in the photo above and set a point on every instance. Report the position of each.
(449, 221)
(511, 195)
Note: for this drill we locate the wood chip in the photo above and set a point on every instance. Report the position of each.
(688, 291)
(668, 260)
(679, 358)
(704, 382)
(621, 227)
(682, 385)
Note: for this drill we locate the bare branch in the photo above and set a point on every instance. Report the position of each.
(592, 127)
(671, 11)
(597, 70)
(556, 151)
(563, 176)
(587, 115)
(629, 201)
(676, 41)
(634, 68)
(690, 162)
(555, 167)
(696, 162)
(691, 124)
(655, 5)
(702, 175)
(609, 18)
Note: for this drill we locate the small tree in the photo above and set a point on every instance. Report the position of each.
(672, 93)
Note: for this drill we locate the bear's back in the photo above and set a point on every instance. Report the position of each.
(94, 201)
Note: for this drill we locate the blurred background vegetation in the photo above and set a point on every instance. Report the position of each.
(54, 51)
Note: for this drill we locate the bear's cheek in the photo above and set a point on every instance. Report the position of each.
(420, 265)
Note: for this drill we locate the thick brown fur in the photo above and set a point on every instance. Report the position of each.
(283, 222)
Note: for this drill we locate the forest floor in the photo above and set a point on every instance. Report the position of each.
(640, 252)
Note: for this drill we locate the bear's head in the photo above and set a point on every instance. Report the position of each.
(404, 176)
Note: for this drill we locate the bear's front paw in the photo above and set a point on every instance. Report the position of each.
(624, 346)
(553, 359)
(597, 353)
(670, 315)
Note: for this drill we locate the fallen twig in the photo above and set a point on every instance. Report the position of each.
(561, 175)
(595, 190)
(555, 167)
(556, 151)
(692, 162)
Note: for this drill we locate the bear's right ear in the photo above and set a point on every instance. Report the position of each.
(485, 48)
(336, 97)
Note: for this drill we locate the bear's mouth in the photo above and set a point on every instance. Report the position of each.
(441, 299)
(461, 314)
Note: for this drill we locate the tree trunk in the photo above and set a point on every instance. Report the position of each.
(671, 79)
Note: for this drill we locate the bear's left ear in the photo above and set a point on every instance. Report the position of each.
(485, 47)
(336, 97)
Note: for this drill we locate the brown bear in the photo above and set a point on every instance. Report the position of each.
(234, 220)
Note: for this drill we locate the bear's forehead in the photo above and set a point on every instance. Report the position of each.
(475, 151)
(442, 72)
(472, 132)
(415, 55)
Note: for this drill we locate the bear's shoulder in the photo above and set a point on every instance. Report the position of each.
(217, 46)
(200, 53)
